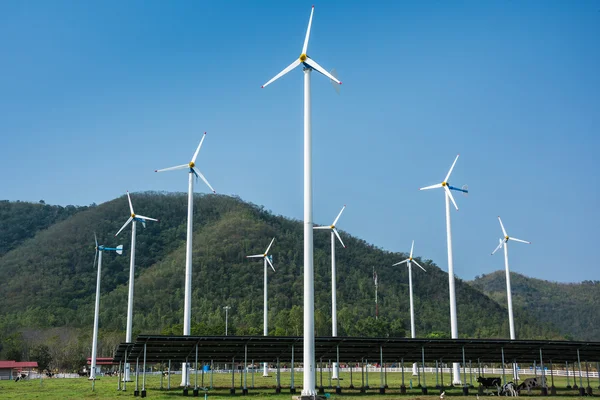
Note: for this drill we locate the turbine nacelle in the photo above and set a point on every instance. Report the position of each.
(304, 59)
(504, 241)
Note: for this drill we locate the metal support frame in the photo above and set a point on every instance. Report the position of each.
(544, 385)
(212, 367)
(137, 375)
(471, 373)
(125, 380)
(424, 387)
(464, 364)
(321, 388)
(581, 388)
(169, 375)
(437, 381)
(196, 368)
(278, 388)
(587, 372)
(503, 374)
(362, 376)
(402, 387)
(574, 377)
(567, 369)
(144, 374)
(367, 374)
(381, 381)
(245, 388)
(292, 385)
(232, 390)
(118, 380)
(329, 368)
(598, 370)
(253, 372)
(552, 388)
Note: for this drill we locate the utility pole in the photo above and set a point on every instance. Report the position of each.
(226, 308)
(376, 304)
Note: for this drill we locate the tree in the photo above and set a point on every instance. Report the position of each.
(41, 354)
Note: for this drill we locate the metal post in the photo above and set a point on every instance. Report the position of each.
(534, 368)
(587, 372)
(321, 374)
(232, 390)
(338, 389)
(385, 374)
(552, 388)
(581, 389)
(437, 383)
(144, 374)
(169, 375)
(253, 371)
(598, 370)
(125, 380)
(464, 363)
(245, 390)
(402, 387)
(278, 376)
(442, 368)
(351, 384)
(367, 373)
(471, 372)
(362, 375)
(211, 373)
(196, 368)
(137, 368)
(544, 386)
(381, 383)
(567, 369)
(424, 389)
(503, 376)
(118, 380)
(574, 377)
(202, 373)
(329, 367)
(292, 386)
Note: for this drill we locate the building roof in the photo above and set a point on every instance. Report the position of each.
(271, 348)
(18, 364)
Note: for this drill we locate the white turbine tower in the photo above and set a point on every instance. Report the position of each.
(266, 259)
(308, 387)
(504, 243)
(187, 308)
(409, 262)
(453, 321)
(133, 218)
(99, 250)
(334, 233)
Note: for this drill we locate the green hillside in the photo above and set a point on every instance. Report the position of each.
(49, 280)
(570, 307)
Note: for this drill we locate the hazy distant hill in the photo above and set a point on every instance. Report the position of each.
(49, 280)
(571, 307)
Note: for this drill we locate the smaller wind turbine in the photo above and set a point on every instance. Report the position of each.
(408, 262)
(266, 259)
(504, 243)
(133, 218)
(99, 250)
(334, 233)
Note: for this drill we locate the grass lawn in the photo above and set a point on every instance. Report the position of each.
(106, 387)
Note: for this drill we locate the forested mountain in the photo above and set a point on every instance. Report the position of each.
(20, 221)
(571, 307)
(48, 282)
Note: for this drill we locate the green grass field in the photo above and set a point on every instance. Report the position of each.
(106, 387)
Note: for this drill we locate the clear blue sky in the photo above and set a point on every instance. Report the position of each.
(97, 95)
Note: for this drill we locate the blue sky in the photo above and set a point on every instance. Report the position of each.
(97, 95)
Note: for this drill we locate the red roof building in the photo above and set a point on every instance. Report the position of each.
(7, 367)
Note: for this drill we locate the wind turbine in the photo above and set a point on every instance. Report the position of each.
(308, 387)
(133, 219)
(448, 196)
(334, 233)
(187, 308)
(409, 262)
(266, 259)
(99, 250)
(504, 243)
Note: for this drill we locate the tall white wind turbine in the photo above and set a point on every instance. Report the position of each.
(504, 243)
(187, 308)
(266, 260)
(308, 64)
(408, 263)
(334, 234)
(453, 320)
(133, 219)
(99, 250)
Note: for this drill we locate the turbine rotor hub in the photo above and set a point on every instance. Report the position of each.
(132, 215)
(303, 57)
(192, 164)
(506, 237)
(444, 183)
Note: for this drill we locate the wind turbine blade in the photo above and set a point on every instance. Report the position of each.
(451, 168)
(305, 47)
(130, 205)
(198, 149)
(184, 166)
(255, 256)
(146, 218)
(502, 226)
(269, 248)
(339, 238)
(437, 185)
(270, 263)
(197, 171)
(124, 225)
(96, 239)
(451, 197)
(320, 69)
(419, 265)
(499, 247)
(519, 240)
(282, 73)
(339, 215)
(119, 249)
(95, 257)
(401, 262)
(412, 248)
(321, 227)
